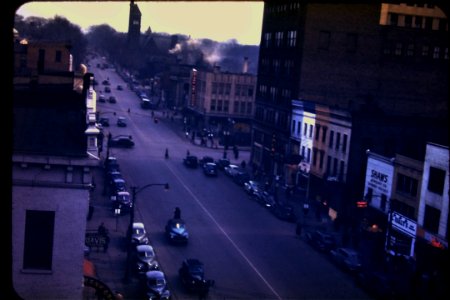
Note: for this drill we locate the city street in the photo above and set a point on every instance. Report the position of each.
(249, 253)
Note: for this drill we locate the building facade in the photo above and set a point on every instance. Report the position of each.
(223, 102)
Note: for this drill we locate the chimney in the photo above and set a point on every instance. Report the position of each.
(245, 65)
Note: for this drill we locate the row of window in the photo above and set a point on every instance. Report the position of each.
(238, 107)
(421, 22)
(226, 77)
(351, 41)
(332, 143)
(225, 88)
(277, 118)
(334, 166)
(274, 93)
(277, 66)
(411, 50)
(283, 7)
(280, 39)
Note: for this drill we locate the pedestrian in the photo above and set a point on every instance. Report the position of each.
(177, 213)
(102, 229)
(298, 228)
(188, 153)
(243, 164)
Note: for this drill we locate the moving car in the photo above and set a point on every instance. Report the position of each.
(206, 159)
(192, 276)
(102, 98)
(176, 231)
(156, 285)
(107, 89)
(145, 259)
(124, 141)
(346, 258)
(231, 169)
(191, 161)
(222, 163)
(321, 241)
(121, 122)
(104, 121)
(139, 234)
(112, 99)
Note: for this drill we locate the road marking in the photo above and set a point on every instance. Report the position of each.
(226, 235)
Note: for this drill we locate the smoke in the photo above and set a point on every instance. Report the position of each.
(205, 52)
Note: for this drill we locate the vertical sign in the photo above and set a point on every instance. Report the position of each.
(193, 86)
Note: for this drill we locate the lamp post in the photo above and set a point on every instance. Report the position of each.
(134, 191)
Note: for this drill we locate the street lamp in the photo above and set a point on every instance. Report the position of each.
(134, 191)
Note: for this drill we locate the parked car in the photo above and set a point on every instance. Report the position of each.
(107, 89)
(112, 99)
(321, 241)
(346, 258)
(176, 231)
(139, 234)
(231, 169)
(102, 98)
(104, 122)
(124, 141)
(252, 187)
(111, 164)
(119, 87)
(284, 211)
(191, 161)
(105, 82)
(122, 200)
(192, 276)
(241, 176)
(121, 122)
(156, 286)
(113, 175)
(264, 198)
(118, 185)
(222, 163)
(210, 169)
(145, 259)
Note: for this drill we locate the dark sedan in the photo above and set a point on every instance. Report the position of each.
(192, 276)
(156, 285)
(191, 161)
(284, 212)
(321, 241)
(210, 169)
(123, 141)
(176, 231)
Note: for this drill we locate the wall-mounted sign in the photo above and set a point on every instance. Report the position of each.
(403, 224)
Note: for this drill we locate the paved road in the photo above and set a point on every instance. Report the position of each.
(249, 253)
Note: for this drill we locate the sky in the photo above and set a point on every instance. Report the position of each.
(216, 20)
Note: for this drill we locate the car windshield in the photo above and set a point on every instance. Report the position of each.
(159, 282)
(139, 231)
(146, 254)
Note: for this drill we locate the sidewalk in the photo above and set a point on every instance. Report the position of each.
(110, 265)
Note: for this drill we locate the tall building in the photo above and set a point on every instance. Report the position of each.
(55, 149)
(134, 26)
(391, 79)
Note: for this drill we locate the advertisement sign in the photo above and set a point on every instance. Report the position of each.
(379, 178)
(403, 224)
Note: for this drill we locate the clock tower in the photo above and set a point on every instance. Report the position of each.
(134, 26)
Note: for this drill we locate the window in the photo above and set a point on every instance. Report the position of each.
(436, 180)
(344, 143)
(335, 166)
(249, 108)
(305, 129)
(406, 184)
(221, 85)
(214, 88)
(242, 107)
(311, 129)
(393, 19)
(236, 107)
(273, 92)
(276, 66)
(303, 151)
(219, 105)
(352, 41)
(308, 157)
(213, 105)
(317, 132)
(398, 48)
(292, 38)
(324, 134)
(226, 104)
(267, 39)
(425, 50)
(328, 165)
(338, 140)
(288, 66)
(410, 50)
(314, 156)
(330, 142)
(58, 56)
(293, 126)
(431, 219)
(418, 20)
(436, 52)
(38, 244)
(279, 38)
(227, 88)
(299, 126)
(429, 23)
(408, 21)
(321, 156)
(250, 91)
(341, 169)
(446, 54)
(324, 40)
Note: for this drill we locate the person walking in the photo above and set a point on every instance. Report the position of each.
(177, 213)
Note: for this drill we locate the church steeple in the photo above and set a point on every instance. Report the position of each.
(134, 25)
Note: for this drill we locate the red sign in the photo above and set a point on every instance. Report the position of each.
(361, 204)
